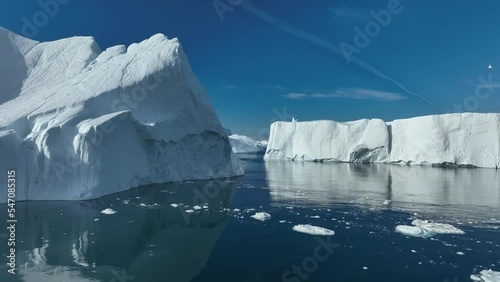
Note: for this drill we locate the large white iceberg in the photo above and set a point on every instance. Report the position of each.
(325, 140)
(243, 144)
(466, 139)
(79, 123)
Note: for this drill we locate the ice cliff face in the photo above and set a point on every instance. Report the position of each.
(467, 139)
(324, 140)
(79, 123)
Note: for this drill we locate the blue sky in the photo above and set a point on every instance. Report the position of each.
(263, 61)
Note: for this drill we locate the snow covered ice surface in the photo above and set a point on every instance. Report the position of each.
(426, 229)
(243, 144)
(313, 230)
(79, 123)
(465, 139)
(486, 276)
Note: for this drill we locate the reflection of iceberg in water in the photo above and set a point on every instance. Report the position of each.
(147, 239)
(410, 188)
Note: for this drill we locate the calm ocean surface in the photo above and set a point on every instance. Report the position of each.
(203, 230)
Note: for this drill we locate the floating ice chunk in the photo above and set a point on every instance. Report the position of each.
(365, 268)
(486, 276)
(282, 221)
(262, 216)
(313, 230)
(426, 229)
(236, 210)
(315, 216)
(108, 211)
(461, 253)
(189, 211)
(174, 205)
(413, 231)
(197, 207)
(438, 228)
(387, 202)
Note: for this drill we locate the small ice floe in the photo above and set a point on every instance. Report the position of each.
(153, 206)
(313, 230)
(96, 219)
(486, 276)
(236, 210)
(262, 216)
(427, 229)
(125, 202)
(365, 268)
(315, 216)
(108, 211)
(460, 253)
(387, 202)
(197, 207)
(174, 205)
(290, 208)
(413, 251)
(189, 211)
(249, 210)
(282, 221)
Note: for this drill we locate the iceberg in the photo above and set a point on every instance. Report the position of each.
(462, 139)
(325, 140)
(79, 123)
(243, 144)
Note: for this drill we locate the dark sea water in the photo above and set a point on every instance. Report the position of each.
(191, 231)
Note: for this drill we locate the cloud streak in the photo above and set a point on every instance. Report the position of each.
(349, 93)
(275, 87)
(346, 15)
(318, 41)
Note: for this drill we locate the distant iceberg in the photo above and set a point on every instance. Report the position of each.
(243, 144)
(80, 123)
(467, 139)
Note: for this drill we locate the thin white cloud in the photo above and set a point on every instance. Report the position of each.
(274, 86)
(346, 15)
(318, 41)
(295, 96)
(229, 86)
(349, 93)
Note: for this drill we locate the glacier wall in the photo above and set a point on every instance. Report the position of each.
(465, 139)
(78, 123)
